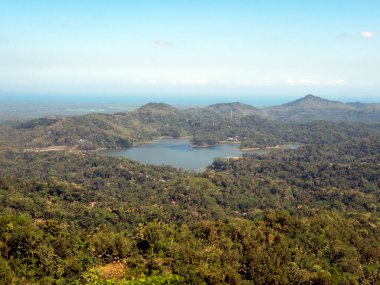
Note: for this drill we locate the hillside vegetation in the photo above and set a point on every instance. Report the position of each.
(311, 108)
(207, 126)
(304, 216)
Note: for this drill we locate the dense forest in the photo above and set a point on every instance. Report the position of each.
(304, 216)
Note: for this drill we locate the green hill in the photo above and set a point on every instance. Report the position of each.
(311, 108)
(207, 126)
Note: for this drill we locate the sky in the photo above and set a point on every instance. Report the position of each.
(184, 48)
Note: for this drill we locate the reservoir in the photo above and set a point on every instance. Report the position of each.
(179, 153)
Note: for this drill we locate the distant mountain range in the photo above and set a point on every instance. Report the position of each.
(300, 121)
(307, 109)
(312, 108)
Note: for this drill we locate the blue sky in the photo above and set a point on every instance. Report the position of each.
(267, 48)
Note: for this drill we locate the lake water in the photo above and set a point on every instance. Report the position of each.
(178, 153)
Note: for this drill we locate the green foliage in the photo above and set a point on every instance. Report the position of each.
(305, 216)
(91, 277)
(207, 126)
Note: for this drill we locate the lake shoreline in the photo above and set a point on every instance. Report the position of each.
(160, 139)
(179, 153)
(265, 148)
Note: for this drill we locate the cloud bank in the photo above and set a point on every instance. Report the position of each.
(306, 82)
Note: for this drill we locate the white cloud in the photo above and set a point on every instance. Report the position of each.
(305, 82)
(338, 82)
(186, 81)
(142, 81)
(249, 83)
(163, 43)
(367, 35)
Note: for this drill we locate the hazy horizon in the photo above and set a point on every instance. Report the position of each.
(188, 99)
(31, 106)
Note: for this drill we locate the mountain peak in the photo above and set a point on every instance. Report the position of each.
(313, 101)
(311, 108)
(231, 105)
(311, 96)
(157, 106)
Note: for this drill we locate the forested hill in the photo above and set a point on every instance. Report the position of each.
(311, 108)
(305, 216)
(207, 126)
(228, 110)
